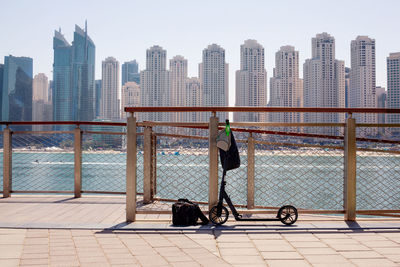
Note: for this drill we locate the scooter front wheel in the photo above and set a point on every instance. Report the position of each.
(287, 214)
(216, 218)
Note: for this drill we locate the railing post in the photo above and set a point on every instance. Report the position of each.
(131, 158)
(153, 164)
(350, 160)
(7, 162)
(213, 162)
(77, 162)
(250, 172)
(147, 164)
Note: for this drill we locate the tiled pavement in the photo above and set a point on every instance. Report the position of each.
(314, 241)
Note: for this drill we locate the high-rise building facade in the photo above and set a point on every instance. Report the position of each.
(285, 86)
(178, 68)
(214, 79)
(193, 98)
(393, 88)
(130, 72)
(62, 79)
(109, 104)
(362, 79)
(73, 77)
(17, 89)
(346, 86)
(155, 85)
(324, 82)
(381, 96)
(251, 86)
(83, 72)
(98, 97)
(130, 97)
(41, 106)
(1, 85)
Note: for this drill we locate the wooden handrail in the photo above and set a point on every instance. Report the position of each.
(260, 109)
(63, 123)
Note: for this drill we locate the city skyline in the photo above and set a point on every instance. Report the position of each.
(271, 30)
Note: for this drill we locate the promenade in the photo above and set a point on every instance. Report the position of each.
(49, 230)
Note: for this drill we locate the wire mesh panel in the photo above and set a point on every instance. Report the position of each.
(103, 163)
(182, 168)
(42, 162)
(306, 177)
(378, 172)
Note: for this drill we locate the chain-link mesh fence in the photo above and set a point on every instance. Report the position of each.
(42, 162)
(103, 162)
(300, 171)
(378, 169)
(182, 166)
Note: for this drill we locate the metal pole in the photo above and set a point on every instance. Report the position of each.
(250, 172)
(77, 162)
(131, 165)
(147, 197)
(350, 167)
(213, 162)
(7, 162)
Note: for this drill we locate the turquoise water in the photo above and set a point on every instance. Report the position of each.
(314, 182)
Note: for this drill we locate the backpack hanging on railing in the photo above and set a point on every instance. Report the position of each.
(185, 212)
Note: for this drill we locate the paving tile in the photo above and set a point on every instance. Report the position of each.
(238, 251)
(35, 256)
(361, 254)
(151, 260)
(244, 259)
(317, 251)
(9, 262)
(236, 245)
(180, 258)
(340, 241)
(300, 237)
(311, 244)
(10, 251)
(279, 255)
(326, 259)
(168, 251)
(34, 262)
(266, 236)
(373, 262)
(185, 264)
(393, 257)
(388, 250)
(349, 247)
(280, 263)
(380, 244)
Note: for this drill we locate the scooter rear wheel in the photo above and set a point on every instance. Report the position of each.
(216, 218)
(287, 214)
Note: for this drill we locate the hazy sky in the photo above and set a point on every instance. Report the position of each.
(125, 29)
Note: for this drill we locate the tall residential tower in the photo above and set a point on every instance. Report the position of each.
(109, 103)
(251, 86)
(285, 86)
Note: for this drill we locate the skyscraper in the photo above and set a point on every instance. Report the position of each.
(73, 76)
(251, 86)
(214, 79)
(381, 96)
(83, 71)
(17, 89)
(62, 79)
(285, 86)
(130, 72)
(41, 106)
(178, 75)
(130, 97)
(98, 96)
(193, 98)
(155, 83)
(346, 86)
(393, 88)
(362, 78)
(109, 104)
(1, 85)
(324, 81)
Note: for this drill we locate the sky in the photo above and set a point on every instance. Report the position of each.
(124, 29)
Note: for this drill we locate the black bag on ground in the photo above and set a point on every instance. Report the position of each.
(185, 212)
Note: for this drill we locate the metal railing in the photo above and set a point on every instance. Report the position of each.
(351, 170)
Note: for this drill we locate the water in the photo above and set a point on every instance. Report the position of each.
(306, 181)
